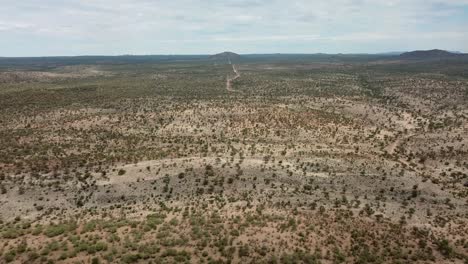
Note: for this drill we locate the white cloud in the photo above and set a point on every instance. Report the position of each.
(126, 24)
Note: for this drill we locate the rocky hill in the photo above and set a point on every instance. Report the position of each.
(428, 54)
(227, 55)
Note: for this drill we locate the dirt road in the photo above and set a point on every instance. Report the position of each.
(230, 80)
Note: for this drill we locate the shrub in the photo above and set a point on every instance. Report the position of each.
(9, 256)
(131, 258)
(444, 248)
(11, 233)
(56, 230)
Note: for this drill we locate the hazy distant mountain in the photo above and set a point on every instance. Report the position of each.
(227, 55)
(428, 54)
(392, 53)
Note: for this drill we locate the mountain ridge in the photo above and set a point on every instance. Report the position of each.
(429, 54)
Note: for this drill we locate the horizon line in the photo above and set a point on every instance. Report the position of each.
(388, 53)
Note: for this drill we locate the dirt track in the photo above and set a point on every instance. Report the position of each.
(230, 80)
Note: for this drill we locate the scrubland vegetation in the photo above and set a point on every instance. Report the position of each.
(298, 162)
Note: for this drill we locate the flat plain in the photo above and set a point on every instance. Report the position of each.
(262, 159)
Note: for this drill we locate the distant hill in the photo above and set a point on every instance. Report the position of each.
(391, 53)
(227, 55)
(428, 54)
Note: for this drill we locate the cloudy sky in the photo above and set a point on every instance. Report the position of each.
(112, 27)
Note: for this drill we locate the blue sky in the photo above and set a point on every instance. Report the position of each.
(113, 27)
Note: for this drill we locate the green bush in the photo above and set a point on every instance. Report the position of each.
(56, 230)
(9, 256)
(444, 248)
(11, 233)
(131, 258)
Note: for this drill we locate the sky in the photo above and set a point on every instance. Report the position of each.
(140, 27)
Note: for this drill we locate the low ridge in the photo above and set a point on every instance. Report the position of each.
(428, 54)
(227, 55)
